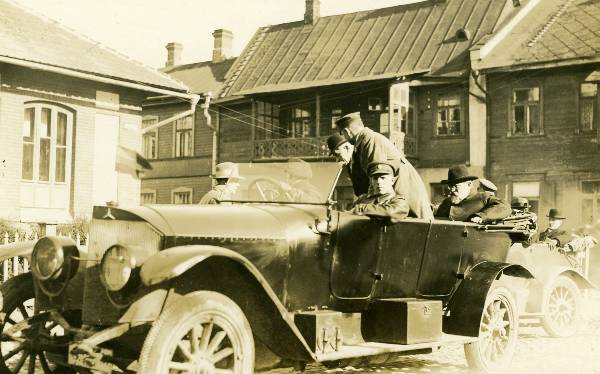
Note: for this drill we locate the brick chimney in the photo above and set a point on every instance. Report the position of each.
(222, 48)
(312, 11)
(173, 54)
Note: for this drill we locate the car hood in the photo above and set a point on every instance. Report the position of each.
(252, 221)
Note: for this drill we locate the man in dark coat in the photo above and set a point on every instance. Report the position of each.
(371, 146)
(465, 203)
(381, 201)
(553, 233)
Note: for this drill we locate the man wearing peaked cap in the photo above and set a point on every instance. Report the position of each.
(227, 178)
(465, 203)
(371, 146)
(382, 201)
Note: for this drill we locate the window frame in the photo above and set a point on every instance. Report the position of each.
(147, 121)
(436, 112)
(54, 109)
(267, 123)
(531, 198)
(176, 132)
(595, 109)
(512, 103)
(182, 190)
(154, 135)
(595, 199)
(148, 191)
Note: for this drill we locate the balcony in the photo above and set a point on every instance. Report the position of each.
(273, 149)
(290, 147)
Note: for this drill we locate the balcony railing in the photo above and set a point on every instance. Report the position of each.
(291, 147)
(307, 148)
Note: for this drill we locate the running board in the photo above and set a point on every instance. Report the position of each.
(372, 348)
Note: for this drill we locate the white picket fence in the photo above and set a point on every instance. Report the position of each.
(18, 265)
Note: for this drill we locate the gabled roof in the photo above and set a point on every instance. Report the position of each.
(556, 32)
(388, 42)
(28, 37)
(202, 77)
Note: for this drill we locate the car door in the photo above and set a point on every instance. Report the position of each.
(402, 252)
(356, 253)
(441, 258)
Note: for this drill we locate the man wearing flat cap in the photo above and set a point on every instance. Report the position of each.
(371, 146)
(465, 203)
(227, 178)
(381, 201)
(553, 233)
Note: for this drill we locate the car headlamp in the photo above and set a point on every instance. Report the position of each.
(117, 267)
(48, 259)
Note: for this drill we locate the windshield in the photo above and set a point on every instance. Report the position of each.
(285, 182)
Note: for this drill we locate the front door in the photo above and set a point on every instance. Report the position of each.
(357, 249)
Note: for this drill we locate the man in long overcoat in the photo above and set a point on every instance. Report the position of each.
(371, 146)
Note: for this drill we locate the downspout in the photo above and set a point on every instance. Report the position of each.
(213, 128)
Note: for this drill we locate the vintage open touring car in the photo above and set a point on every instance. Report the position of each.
(234, 287)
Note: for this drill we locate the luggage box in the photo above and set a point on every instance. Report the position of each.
(403, 321)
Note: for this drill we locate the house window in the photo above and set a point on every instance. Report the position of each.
(526, 111)
(439, 192)
(375, 104)
(267, 121)
(150, 145)
(530, 191)
(299, 122)
(449, 114)
(590, 202)
(183, 137)
(148, 197)
(181, 195)
(46, 144)
(588, 98)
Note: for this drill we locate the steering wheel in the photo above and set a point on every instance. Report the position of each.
(267, 189)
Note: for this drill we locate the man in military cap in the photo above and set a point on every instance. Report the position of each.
(465, 203)
(227, 178)
(298, 186)
(381, 201)
(553, 234)
(371, 146)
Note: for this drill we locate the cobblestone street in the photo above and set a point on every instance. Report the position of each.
(535, 353)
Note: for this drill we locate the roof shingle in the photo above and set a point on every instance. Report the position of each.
(558, 30)
(30, 37)
(386, 42)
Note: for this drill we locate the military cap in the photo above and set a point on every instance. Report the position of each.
(487, 185)
(458, 174)
(519, 203)
(378, 168)
(299, 168)
(351, 119)
(226, 170)
(335, 141)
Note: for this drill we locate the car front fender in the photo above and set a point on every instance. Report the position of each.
(465, 307)
(271, 322)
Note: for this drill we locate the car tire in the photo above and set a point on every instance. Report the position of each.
(561, 308)
(202, 330)
(18, 296)
(498, 333)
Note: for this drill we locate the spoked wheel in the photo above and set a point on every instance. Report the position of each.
(498, 334)
(24, 345)
(562, 308)
(204, 333)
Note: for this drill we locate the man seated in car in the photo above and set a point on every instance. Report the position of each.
(553, 234)
(465, 203)
(381, 201)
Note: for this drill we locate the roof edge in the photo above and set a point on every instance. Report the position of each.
(97, 78)
(541, 64)
(490, 44)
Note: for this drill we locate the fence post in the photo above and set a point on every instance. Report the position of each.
(16, 259)
(6, 238)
